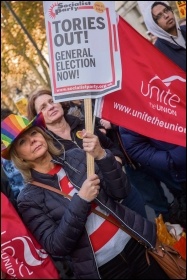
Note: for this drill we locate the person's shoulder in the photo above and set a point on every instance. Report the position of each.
(159, 42)
(163, 45)
(30, 194)
(74, 121)
(128, 131)
(183, 26)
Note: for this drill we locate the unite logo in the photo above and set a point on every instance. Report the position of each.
(21, 248)
(158, 90)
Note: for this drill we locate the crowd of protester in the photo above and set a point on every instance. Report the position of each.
(49, 146)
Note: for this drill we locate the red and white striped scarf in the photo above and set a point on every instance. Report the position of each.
(106, 238)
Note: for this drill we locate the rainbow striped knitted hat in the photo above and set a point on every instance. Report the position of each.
(13, 126)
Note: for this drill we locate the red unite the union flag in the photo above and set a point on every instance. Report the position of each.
(22, 257)
(152, 99)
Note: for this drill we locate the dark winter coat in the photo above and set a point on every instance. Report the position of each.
(78, 125)
(59, 223)
(176, 53)
(155, 154)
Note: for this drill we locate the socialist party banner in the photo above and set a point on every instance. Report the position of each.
(83, 48)
(22, 257)
(152, 100)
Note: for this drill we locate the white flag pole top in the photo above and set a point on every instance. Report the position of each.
(84, 53)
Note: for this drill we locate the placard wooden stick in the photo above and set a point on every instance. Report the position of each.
(89, 128)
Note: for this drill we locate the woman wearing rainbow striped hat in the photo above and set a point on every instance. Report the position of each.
(67, 225)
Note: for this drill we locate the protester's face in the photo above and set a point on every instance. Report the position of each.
(164, 18)
(52, 112)
(31, 145)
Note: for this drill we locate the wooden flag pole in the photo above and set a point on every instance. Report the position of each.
(89, 128)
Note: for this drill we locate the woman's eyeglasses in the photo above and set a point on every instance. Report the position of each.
(162, 14)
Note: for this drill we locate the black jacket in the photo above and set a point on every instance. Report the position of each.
(78, 125)
(59, 223)
(176, 53)
(158, 155)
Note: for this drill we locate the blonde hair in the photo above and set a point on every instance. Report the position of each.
(25, 167)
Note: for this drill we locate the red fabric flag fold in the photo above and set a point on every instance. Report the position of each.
(22, 257)
(152, 100)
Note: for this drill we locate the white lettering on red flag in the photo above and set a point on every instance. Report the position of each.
(22, 257)
(152, 100)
